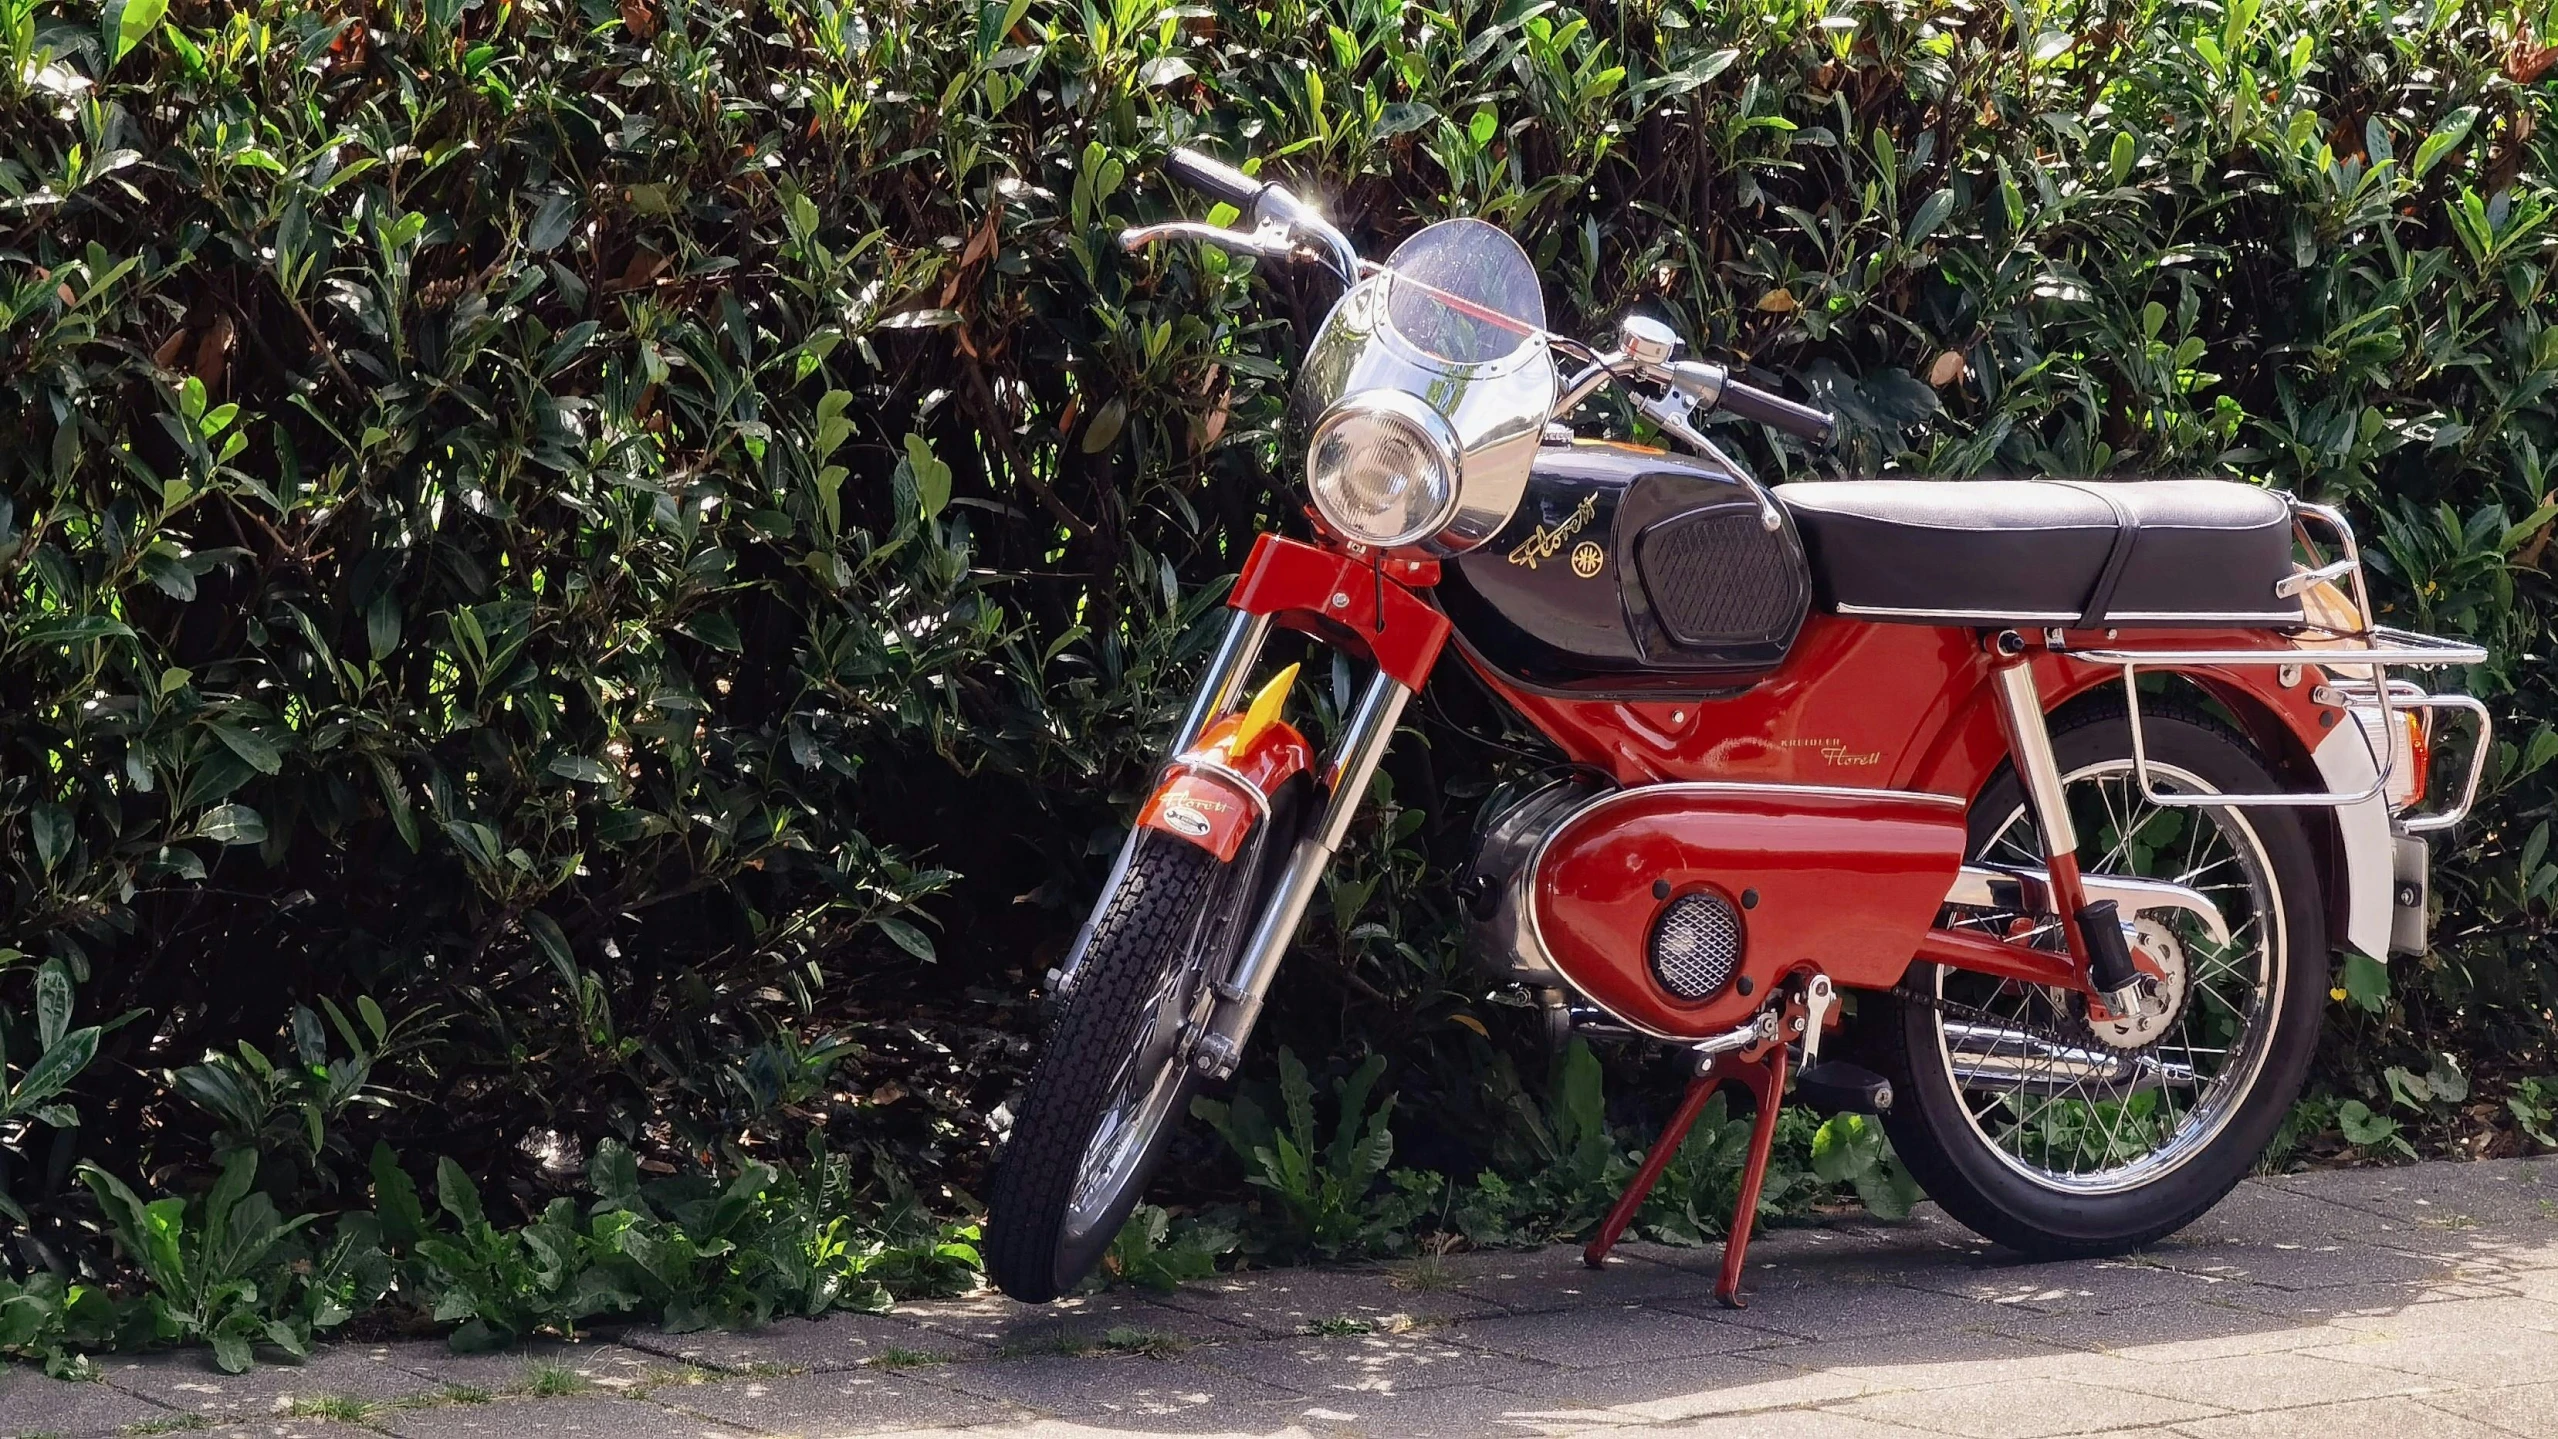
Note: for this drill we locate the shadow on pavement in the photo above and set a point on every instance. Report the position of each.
(2421, 1300)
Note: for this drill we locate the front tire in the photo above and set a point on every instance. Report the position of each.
(1113, 1079)
(2097, 1143)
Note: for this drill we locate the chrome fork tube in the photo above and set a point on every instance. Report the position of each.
(2029, 742)
(1219, 688)
(2032, 742)
(1223, 684)
(1351, 765)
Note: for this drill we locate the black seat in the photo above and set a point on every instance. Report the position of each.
(2047, 552)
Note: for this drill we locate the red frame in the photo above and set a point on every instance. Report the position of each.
(1856, 705)
(1348, 601)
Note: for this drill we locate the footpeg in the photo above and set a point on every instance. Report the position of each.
(1838, 1087)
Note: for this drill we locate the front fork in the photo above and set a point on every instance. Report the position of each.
(1346, 769)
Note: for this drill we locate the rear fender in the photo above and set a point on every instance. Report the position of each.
(1213, 793)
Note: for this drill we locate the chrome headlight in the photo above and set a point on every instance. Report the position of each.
(1384, 468)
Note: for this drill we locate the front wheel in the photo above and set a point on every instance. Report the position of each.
(1113, 1080)
(2063, 1134)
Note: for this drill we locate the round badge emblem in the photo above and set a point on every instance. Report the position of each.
(1185, 819)
(1587, 558)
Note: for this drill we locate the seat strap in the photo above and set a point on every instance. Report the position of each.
(2127, 532)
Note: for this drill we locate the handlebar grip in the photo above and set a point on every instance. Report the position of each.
(1215, 178)
(1752, 403)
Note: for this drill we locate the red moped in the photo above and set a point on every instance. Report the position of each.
(2078, 785)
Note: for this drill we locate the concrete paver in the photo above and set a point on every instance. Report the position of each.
(1282, 1302)
(2329, 1421)
(1361, 1364)
(2024, 1409)
(2418, 1301)
(186, 1381)
(551, 1364)
(583, 1417)
(290, 1426)
(2521, 1408)
(838, 1341)
(31, 1403)
(836, 1403)
(1593, 1338)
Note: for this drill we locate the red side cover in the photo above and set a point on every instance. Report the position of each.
(1846, 881)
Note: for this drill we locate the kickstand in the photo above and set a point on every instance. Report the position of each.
(1761, 1069)
(1766, 1079)
(1613, 1227)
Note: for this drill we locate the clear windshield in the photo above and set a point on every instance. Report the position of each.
(1463, 292)
(1456, 319)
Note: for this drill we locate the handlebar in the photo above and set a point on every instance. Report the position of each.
(1289, 227)
(1752, 403)
(1215, 178)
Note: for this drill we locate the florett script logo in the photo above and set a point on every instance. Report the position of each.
(1546, 541)
(1834, 751)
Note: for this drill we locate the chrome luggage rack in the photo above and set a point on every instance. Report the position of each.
(2381, 648)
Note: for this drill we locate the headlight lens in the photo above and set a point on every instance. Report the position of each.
(1383, 467)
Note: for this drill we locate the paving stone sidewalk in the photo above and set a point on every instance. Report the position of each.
(2408, 1302)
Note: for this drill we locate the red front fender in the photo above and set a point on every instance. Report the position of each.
(1214, 792)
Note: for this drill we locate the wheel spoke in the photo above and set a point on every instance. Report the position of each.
(2043, 1104)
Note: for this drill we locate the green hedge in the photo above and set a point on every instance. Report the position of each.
(579, 571)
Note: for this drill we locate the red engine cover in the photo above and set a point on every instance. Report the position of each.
(1843, 880)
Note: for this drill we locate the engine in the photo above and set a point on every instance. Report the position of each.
(1676, 908)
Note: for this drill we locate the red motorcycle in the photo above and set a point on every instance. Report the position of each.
(2077, 784)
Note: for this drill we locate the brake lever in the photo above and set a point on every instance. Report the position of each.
(1673, 410)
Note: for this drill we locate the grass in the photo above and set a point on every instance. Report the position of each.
(1062, 1342)
(345, 1408)
(1070, 1344)
(1425, 1273)
(893, 1357)
(174, 1424)
(1153, 1343)
(551, 1381)
(1340, 1326)
(458, 1394)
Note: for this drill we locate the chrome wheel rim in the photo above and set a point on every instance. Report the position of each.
(1145, 1091)
(2086, 1117)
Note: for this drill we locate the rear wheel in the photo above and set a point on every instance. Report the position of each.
(1113, 1079)
(2060, 1133)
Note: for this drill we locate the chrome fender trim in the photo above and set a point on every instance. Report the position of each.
(2028, 890)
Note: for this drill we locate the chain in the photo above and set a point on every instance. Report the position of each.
(1960, 1010)
(2081, 1039)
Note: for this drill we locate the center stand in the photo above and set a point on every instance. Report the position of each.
(1758, 1066)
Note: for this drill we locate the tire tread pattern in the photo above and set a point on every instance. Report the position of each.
(1146, 927)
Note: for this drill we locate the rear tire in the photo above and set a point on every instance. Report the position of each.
(1985, 1147)
(1038, 1245)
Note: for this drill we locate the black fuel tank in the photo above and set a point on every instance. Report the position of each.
(1631, 572)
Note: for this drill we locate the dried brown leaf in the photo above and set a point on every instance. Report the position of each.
(213, 353)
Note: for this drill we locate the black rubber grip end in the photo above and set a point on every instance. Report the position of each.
(1752, 403)
(1214, 178)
